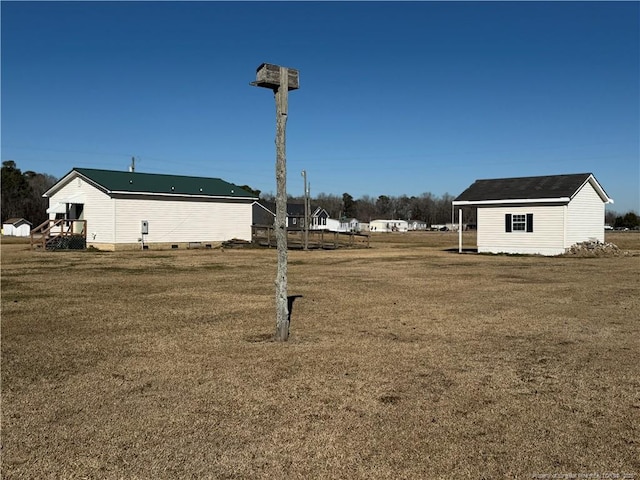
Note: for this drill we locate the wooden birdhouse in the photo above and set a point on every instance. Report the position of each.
(268, 76)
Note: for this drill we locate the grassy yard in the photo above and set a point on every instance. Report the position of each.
(406, 360)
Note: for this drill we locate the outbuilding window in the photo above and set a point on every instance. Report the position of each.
(518, 222)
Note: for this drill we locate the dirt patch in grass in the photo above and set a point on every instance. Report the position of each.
(405, 361)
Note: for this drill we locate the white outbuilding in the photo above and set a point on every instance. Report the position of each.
(543, 215)
(16, 227)
(122, 210)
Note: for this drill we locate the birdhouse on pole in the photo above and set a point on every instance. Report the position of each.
(268, 76)
(280, 80)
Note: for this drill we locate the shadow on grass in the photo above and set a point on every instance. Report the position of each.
(464, 250)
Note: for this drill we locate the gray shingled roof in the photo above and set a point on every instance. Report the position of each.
(526, 188)
(293, 209)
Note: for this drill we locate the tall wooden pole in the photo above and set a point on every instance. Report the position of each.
(282, 308)
(277, 79)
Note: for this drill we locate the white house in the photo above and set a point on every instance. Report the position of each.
(123, 210)
(388, 226)
(328, 224)
(349, 225)
(535, 215)
(417, 225)
(264, 213)
(16, 227)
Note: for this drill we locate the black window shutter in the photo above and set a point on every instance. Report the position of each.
(530, 222)
(507, 222)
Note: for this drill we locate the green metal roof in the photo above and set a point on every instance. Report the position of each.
(134, 182)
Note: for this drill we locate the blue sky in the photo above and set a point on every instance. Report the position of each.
(395, 98)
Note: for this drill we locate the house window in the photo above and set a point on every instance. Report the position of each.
(518, 222)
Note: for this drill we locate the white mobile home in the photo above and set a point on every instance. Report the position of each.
(388, 226)
(122, 210)
(536, 215)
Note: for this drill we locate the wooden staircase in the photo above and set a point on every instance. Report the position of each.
(60, 234)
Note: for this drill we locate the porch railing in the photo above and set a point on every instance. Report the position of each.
(61, 233)
(264, 235)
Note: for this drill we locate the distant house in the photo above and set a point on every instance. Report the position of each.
(536, 215)
(264, 213)
(16, 227)
(417, 225)
(320, 220)
(349, 225)
(128, 209)
(388, 226)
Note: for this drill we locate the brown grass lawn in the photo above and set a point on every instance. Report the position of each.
(405, 361)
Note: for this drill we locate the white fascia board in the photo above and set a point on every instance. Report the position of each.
(256, 202)
(124, 192)
(514, 201)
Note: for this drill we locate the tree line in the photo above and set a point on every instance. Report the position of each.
(427, 207)
(628, 220)
(22, 198)
(22, 193)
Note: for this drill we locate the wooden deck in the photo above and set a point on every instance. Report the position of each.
(62, 234)
(264, 236)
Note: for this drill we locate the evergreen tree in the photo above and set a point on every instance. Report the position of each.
(22, 193)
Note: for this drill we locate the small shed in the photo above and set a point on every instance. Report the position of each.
(17, 227)
(542, 215)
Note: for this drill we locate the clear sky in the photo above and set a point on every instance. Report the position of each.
(395, 98)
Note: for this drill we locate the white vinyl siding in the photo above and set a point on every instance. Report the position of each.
(188, 220)
(546, 239)
(585, 217)
(98, 209)
(551, 226)
(117, 220)
(518, 222)
(23, 230)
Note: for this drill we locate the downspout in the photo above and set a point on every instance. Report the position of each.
(115, 204)
(564, 226)
(460, 230)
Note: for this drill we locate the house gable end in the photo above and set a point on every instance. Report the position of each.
(591, 180)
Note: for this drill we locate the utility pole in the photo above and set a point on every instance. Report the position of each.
(308, 207)
(280, 80)
(306, 211)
